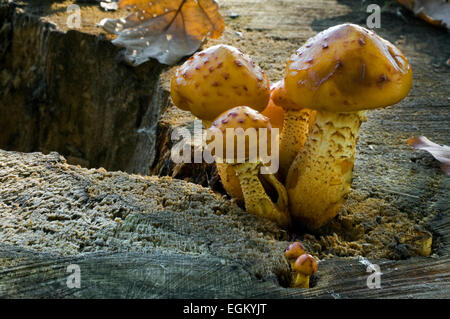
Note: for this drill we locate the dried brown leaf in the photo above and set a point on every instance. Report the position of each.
(441, 153)
(166, 30)
(436, 12)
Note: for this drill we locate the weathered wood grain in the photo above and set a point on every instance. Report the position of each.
(137, 275)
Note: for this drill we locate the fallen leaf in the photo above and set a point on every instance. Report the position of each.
(436, 12)
(166, 30)
(441, 153)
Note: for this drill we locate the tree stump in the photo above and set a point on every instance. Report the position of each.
(67, 91)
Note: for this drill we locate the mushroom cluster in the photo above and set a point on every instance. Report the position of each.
(303, 265)
(224, 88)
(318, 107)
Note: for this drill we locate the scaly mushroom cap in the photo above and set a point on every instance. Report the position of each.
(295, 250)
(273, 111)
(242, 117)
(217, 79)
(306, 265)
(347, 68)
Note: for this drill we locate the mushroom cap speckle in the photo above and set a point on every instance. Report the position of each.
(305, 264)
(242, 117)
(347, 68)
(217, 79)
(295, 250)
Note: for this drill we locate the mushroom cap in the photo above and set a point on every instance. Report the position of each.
(242, 117)
(273, 111)
(347, 68)
(295, 250)
(305, 264)
(217, 79)
(280, 98)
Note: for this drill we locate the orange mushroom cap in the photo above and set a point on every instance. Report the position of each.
(306, 265)
(280, 98)
(295, 250)
(242, 117)
(273, 111)
(347, 68)
(217, 79)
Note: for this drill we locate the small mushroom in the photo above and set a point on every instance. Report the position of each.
(295, 250)
(218, 79)
(303, 268)
(247, 170)
(273, 111)
(302, 264)
(276, 115)
(297, 122)
(339, 73)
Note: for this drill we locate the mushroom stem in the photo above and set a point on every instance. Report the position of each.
(256, 200)
(230, 181)
(294, 135)
(227, 174)
(321, 174)
(282, 201)
(300, 280)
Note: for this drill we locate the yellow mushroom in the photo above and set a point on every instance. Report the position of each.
(228, 126)
(339, 73)
(303, 268)
(302, 264)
